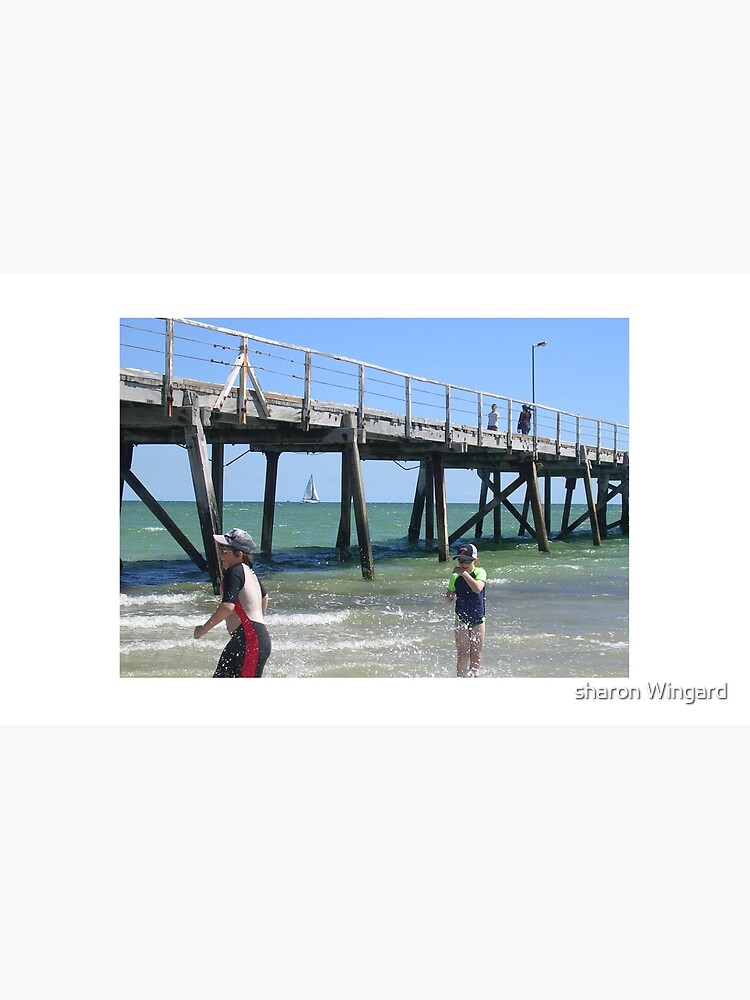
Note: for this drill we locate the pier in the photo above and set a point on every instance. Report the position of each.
(211, 386)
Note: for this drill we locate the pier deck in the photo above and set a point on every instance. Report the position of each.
(163, 408)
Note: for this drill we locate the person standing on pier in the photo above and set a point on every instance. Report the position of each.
(524, 419)
(492, 418)
(466, 587)
(243, 605)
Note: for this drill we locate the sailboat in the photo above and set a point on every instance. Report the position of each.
(311, 494)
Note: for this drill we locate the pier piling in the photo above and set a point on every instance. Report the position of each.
(482, 503)
(269, 502)
(570, 485)
(586, 467)
(532, 496)
(208, 515)
(358, 496)
(602, 491)
(217, 478)
(344, 537)
(420, 496)
(441, 507)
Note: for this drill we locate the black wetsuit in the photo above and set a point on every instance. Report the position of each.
(249, 645)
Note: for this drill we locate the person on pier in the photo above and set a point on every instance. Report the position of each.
(243, 605)
(524, 419)
(466, 587)
(492, 418)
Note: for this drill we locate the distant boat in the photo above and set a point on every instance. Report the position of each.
(311, 494)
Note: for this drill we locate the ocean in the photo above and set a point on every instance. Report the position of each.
(559, 615)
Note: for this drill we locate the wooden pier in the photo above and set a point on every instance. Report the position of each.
(163, 408)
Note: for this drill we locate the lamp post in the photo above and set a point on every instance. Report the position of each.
(542, 343)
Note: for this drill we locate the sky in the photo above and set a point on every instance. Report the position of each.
(583, 369)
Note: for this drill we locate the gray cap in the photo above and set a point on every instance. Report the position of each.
(236, 539)
(466, 553)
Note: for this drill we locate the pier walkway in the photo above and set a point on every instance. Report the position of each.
(208, 386)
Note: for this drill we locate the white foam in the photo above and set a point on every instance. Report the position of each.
(133, 600)
(322, 618)
(162, 644)
(148, 623)
(337, 645)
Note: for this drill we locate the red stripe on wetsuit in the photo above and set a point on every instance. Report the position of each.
(252, 645)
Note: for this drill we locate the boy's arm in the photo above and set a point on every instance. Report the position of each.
(476, 585)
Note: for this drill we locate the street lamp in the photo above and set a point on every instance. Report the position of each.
(542, 343)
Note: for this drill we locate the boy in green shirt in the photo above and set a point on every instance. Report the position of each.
(466, 588)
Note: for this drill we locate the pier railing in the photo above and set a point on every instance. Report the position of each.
(188, 349)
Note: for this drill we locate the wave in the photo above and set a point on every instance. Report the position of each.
(160, 645)
(308, 618)
(340, 645)
(126, 600)
(148, 623)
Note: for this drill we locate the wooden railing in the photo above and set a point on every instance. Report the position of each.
(275, 366)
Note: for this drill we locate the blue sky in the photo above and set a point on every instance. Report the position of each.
(583, 369)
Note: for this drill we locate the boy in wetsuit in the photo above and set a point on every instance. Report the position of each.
(466, 588)
(244, 602)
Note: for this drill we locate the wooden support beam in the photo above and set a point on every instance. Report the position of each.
(242, 394)
(586, 466)
(525, 513)
(167, 385)
(602, 487)
(223, 395)
(161, 515)
(570, 485)
(492, 483)
(441, 507)
(420, 495)
(259, 395)
(542, 539)
(244, 369)
(217, 478)
(524, 524)
(126, 461)
(625, 514)
(488, 507)
(208, 515)
(585, 517)
(306, 400)
(548, 503)
(344, 537)
(497, 481)
(360, 505)
(269, 502)
(429, 511)
(482, 503)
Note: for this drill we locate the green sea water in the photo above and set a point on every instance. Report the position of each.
(559, 615)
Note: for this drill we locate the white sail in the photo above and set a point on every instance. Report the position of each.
(311, 494)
